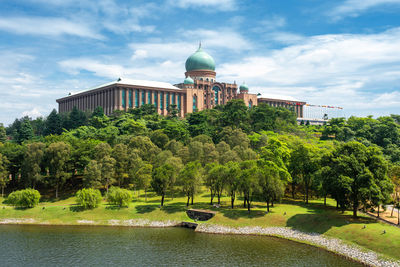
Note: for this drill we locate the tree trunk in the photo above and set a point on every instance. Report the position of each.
(355, 206)
(192, 199)
(212, 197)
(391, 215)
(248, 204)
(2, 191)
(272, 203)
(232, 199)
(293, 188)
(219, 198)
(378, 209)
(56, 191)
(187, 203)
(325, 200)
(145, 194)
(306, 193)
(244, 203)
(162, 200)
(267, 205)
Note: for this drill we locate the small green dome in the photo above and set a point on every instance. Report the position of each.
(188, 80)
(200, 60)
(244, 87)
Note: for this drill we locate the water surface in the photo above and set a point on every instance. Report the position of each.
(123, 246)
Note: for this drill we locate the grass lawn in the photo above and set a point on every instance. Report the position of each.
(313, 217)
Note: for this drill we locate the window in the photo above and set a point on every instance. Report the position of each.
(194, 103)
(149, 97)
(179, 102)
(123, 98)
(130, 99)
(155, 99)
(250, 103)
(167, 101)
(216, 97)
(173, 98)
(143, 97)
(136, 98)
(161, 100)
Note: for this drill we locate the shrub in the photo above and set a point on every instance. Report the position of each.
(119, 196)
(88, 198)
(27, 198)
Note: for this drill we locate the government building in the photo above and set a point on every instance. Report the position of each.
(200, 90)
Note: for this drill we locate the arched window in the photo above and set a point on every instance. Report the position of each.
(216, 96)
(250, 103)
(207, 79)
(201, 79)
(194, 103)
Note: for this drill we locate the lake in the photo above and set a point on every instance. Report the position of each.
(31, 245)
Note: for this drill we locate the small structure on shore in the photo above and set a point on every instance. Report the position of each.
(200, 215)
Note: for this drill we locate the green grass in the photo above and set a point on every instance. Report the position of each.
(313, 217)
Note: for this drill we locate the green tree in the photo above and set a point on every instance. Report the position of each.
(92, 175)
(53, 124)
(119, 196)
(232, 181)
(27, 198)
(190, 180)
(143, 175)
(88, 198)
(25, 132)
(31, 166)
(57, 157)
(120, 154)
(163, 179)
(304, 162)
(249, 184)
(356, 172)
(3, 173)
(271, 186)
(3, 134)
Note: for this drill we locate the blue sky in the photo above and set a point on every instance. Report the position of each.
(336, 52)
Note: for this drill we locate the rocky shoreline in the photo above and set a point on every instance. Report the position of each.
(337, 246)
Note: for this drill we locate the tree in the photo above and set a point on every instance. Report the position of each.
(57, 156)
(25, 132)
(31, 166)
(271, 186)
(190, 180)
(88, 198)
(216, 180)
(119, 196)
(27, 198)
(92, 175)
(232, 181)
(159, 138)
(235, 114)
(120, 154)
(3, 134)
(163, 179)
(357, 172)
(249, 184)
(53, 124)
(394, 175)
(143, 175)
(303, 164)
(3, 173)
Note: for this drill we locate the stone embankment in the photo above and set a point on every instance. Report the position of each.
(337, 246)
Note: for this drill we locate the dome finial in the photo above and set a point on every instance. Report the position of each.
(200, 44)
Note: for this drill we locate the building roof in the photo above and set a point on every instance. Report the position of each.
(279, 97)
(200, 60)
(125, 81)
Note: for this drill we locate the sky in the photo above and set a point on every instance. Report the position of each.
(343, 53)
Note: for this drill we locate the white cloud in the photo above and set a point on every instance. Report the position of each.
(33, 113)
(355, 7)
(47, 26)
(222, 5)
(352, 70)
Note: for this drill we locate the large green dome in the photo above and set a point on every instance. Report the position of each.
(200, 60)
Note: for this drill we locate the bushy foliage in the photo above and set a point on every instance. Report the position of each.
(88, 198)
(27, 198)
(119, 196)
